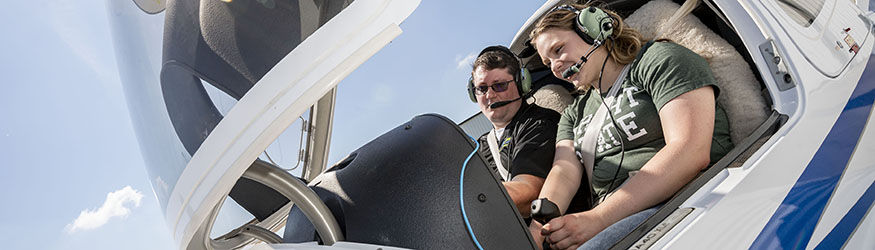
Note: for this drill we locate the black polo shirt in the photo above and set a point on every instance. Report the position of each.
(527, 144)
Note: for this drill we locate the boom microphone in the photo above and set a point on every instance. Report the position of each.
(574, 68)
(502, 103)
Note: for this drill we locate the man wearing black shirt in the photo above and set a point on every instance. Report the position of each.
(523, 135)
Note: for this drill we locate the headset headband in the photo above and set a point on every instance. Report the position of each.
(517, 77)
(592, 24)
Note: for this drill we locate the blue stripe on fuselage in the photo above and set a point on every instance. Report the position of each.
(839, 235)
(792, 225)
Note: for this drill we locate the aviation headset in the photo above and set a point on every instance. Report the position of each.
(592, 23)
(522, 79)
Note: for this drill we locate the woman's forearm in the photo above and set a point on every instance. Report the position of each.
(564, 178)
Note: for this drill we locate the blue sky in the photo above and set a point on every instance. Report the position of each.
(67, 144)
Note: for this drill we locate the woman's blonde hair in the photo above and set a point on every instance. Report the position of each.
(623, 45)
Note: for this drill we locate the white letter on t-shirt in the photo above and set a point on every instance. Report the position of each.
(628, 92)
(628, 127)
(607, 130)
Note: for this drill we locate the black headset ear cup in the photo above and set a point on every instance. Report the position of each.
(471, 89)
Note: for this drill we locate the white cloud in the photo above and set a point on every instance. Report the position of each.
(114, 206)
(467, 61)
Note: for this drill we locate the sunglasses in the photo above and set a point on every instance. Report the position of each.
(497, 87)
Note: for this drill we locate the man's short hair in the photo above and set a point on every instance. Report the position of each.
(497, 60)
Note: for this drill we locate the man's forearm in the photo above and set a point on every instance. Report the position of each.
(523, 189)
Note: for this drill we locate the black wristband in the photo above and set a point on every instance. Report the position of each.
(544, 210)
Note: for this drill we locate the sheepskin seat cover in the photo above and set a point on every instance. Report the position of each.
(553, 97)
(739, 89)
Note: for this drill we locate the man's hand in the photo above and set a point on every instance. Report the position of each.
(571, 231)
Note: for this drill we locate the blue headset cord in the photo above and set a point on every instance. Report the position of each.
(461, 194)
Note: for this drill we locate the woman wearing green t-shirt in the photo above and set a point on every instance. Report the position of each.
(663, 124)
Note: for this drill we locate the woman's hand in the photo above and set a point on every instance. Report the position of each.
(572, 230)
(535, 230)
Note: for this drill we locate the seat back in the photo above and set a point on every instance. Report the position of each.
(739, 89)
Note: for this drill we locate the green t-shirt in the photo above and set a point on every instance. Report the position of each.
(663, 72)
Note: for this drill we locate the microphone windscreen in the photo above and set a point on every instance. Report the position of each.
(570, 71)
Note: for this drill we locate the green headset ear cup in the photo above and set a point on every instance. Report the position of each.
(525, 83)
(471, 89)
(591, 21)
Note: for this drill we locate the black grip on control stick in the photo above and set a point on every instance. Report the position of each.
(544, 210)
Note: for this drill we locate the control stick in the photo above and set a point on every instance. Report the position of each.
(544, 210)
